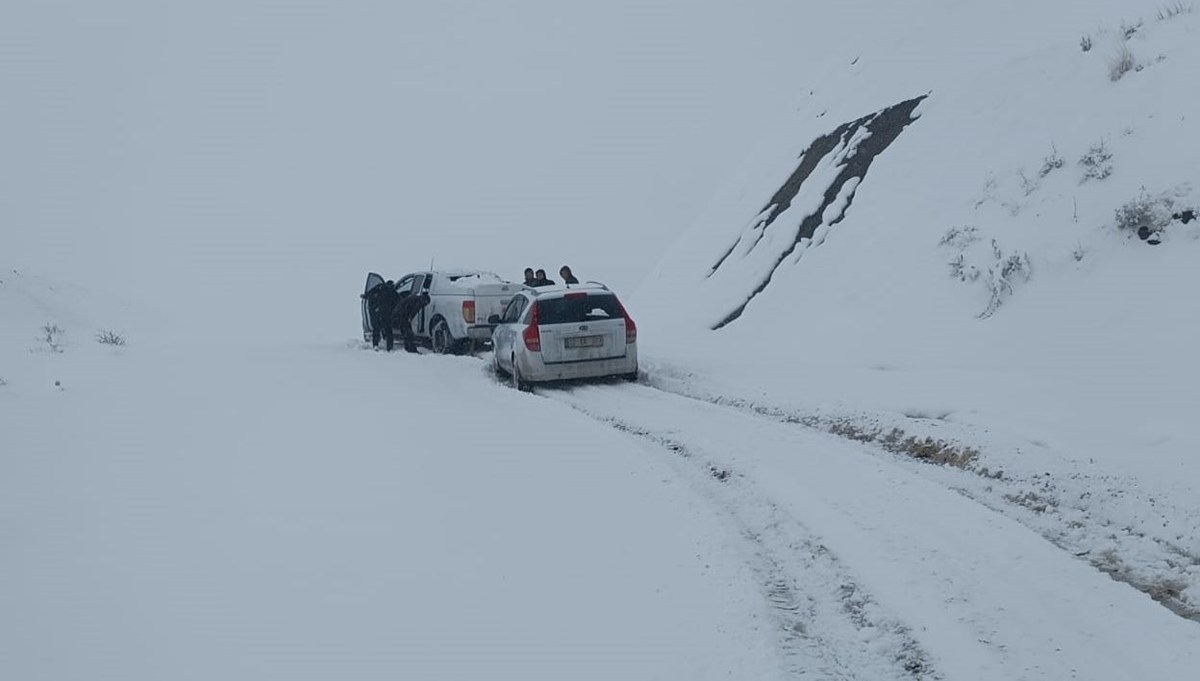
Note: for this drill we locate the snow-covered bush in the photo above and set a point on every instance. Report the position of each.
(1006, 270)
(1174, 10)
(960, 238)
(1096, 163)
(1050, 163)
(52, 336)
(110, 338)
(1129, 30)
(1146, 215)
(1000, 273)
(1121, 63)
(1085, 43)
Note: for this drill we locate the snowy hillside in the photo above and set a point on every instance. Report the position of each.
(971, 270)
(916, 397)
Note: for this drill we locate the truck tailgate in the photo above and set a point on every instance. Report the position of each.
(491, 299)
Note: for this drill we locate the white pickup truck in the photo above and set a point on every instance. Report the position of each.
(460, 302)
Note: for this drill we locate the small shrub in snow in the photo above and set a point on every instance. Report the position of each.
(1129, 30)
(1121, 63)
(960, 237)
(1006, 270)
(1028, 185)
(1085, 43)
(1146, 216)
(1000, 275)
(1078, 253)
(1096, 163)
(1050, 163)
(1174, 10)
(3, 382)
(961, 270)
(52, 336)
(110, 338)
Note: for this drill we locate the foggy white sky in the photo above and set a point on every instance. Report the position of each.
(230, 146)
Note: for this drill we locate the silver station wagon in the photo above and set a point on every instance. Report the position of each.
(558, 333)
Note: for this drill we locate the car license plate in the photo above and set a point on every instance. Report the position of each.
(585, 342)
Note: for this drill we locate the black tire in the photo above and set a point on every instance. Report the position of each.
(517, 381)
(632, 378)
(440, 340)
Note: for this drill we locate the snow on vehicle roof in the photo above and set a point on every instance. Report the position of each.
(591, 286)
(453, 274)
(468, 279)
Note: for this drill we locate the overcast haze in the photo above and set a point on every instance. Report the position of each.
(149, 141)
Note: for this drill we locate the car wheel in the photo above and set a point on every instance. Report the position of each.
(631, 377)
(517, 380)
(440, 339)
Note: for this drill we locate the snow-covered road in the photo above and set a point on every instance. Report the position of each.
(955, 588)
(205, 508)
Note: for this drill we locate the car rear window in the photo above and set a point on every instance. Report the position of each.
(578, 307)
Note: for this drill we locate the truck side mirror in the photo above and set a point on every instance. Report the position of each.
(494, 319)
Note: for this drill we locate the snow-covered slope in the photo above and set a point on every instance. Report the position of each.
(980, 276)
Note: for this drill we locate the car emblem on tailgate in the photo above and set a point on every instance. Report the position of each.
(583, 327)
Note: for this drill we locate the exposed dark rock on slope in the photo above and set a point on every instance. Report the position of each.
(860, 150)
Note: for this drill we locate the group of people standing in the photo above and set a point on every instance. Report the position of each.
(538, 278)
(388, 309)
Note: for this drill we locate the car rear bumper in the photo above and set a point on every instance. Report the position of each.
(479, 332)
(536, 371)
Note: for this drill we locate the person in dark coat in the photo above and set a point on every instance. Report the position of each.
(542, 280)
(567, 276)
(407, 309)
(380, 301)
(530, 280)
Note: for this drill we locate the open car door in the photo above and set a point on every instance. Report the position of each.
(373, 280)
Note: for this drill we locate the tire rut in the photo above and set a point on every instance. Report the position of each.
(1032, 500)
(821, 617)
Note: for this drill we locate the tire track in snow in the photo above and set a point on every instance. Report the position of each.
(826, 625)
(1067, 517)
(976, 595)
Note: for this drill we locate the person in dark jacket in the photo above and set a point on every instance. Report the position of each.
(542, 280)
(530, 280)
(380, 301)
(567, 276)
(403, 315)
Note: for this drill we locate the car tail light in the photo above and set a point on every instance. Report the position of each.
(468, 311)
(630, 327)
(532, 335)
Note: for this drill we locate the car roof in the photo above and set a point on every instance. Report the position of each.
(587, 287)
